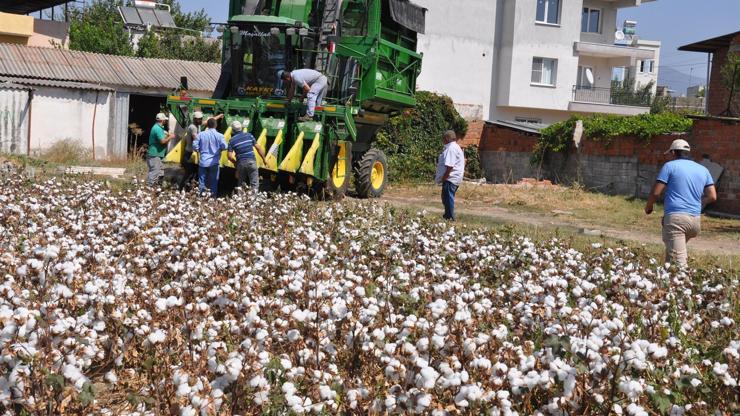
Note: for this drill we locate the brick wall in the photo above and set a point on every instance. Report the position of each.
(473, 135)
(718, 92)
(625, 167)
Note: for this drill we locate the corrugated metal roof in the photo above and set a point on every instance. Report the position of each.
(519, 125)
(53, 83)
(120, 72)
(12, 86)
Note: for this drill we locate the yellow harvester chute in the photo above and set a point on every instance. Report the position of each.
(272, 154)
(261, 142)
(292, 160)
(308, 162)
(225, 162)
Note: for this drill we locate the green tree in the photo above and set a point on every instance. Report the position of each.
(413, 139)
(97, 27)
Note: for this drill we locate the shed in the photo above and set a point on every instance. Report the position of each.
(99, 100)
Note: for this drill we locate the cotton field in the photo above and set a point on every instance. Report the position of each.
(144, 302)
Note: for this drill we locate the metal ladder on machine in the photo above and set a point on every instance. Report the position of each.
(329, 19)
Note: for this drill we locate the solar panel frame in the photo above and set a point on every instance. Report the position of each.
(165, 18)
(148, 17)
(131, 16)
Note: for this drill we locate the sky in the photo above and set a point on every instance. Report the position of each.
(673, 22)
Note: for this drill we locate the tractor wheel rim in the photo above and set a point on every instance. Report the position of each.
(377, 176)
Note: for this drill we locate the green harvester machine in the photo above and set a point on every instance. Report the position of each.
(366, 49)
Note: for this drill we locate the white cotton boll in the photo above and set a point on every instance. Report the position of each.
(632, 388)
(63, 291)
(299, 315)
(288, 388)
(258, 381)
(427, 378)
(161, 304)
(423, 401)
(293, 335)
(695, 382)
(111, 377)
(74, 375)
(99, 326)
(188, 411)
(635, 410)
(327, 393)
(157, 336)
(183, 390)
(725, 321)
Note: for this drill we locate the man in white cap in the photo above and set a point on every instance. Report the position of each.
(191, 133)
(689, 187)
(310, 82)
(158, 139)
(450, 172)
(241, 153)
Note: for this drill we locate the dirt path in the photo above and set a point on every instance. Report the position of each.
(707, 244)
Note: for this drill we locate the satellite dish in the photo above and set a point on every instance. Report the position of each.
(590, 76)
(619, 35)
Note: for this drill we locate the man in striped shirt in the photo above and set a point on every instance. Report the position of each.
(241, 154)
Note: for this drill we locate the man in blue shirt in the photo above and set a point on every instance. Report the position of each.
(241, 153)
(689, 187)
(209, 145)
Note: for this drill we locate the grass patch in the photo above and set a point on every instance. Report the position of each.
(574, 205)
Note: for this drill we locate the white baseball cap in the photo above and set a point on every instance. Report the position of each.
(679, 144)
(198, 114)
(236, 126)
(162, 117)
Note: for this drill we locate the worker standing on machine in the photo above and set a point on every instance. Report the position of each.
(312, 83)
(209, 145)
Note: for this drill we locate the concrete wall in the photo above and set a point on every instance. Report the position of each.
(59, 114)
(13, 120)
(627, 166)
(25, 30)
(49, 34)
(458, 53)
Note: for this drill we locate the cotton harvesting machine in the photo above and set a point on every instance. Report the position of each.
(367, 51)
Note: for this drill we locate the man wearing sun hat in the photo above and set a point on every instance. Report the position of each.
(158, 139)
(688, 187)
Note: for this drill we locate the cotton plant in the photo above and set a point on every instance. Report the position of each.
(142, 302)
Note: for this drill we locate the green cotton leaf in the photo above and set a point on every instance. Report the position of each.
(662, 402)
(55, 381)
(87, 395)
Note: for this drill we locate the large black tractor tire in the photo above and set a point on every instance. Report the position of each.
(371, 174)
(340, 175)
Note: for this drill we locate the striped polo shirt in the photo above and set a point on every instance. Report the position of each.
(242, 144)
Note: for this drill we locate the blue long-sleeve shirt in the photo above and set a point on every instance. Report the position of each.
(209, 144)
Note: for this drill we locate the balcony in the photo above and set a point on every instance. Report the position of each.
(603, 50)
(609, 101)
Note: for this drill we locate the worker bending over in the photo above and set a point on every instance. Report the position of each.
(312, 83)
(241, 153)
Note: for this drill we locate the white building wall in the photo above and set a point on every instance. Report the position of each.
(458, 49)
(13, 120)
(644, 78)
(63, 113)
(524, 39)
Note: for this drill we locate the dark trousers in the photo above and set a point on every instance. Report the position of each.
(208, 179)
(247, 173)
(191, 171)
(448, 199)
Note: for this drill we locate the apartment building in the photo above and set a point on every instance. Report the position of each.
(535, 60)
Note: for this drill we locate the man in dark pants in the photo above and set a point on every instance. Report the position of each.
(191, 133)
(241, 153)
(450, 170)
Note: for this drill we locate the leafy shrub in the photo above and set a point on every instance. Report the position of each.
(413, 140)
(473, 168)
(603, 128)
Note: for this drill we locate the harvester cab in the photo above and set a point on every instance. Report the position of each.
(367, 51)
